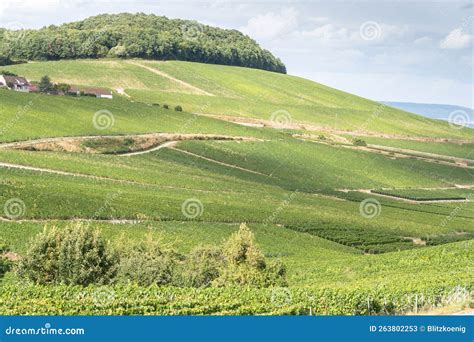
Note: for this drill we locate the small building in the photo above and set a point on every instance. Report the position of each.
(16, 83)
(97, 92)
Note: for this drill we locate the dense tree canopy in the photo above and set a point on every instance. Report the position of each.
(138, 35)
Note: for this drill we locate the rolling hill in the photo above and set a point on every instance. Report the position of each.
(353, 196)
(242, 94)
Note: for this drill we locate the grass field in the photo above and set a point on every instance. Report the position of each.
(309, 204)
(446, 149)
(241, 92)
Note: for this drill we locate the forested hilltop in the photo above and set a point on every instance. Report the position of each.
(138, 35)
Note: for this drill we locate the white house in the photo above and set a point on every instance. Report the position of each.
(15, 82)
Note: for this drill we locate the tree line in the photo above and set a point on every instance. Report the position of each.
(138, 36)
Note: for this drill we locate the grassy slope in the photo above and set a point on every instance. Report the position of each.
(29, 116)
(165, 179)
(165, 182)
(329, 167)
(242, 92)
(447, 149)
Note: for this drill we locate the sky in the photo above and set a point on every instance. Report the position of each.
(398, 50)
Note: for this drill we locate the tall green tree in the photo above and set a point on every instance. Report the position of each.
(45, 85)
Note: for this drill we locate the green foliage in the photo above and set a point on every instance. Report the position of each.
(144, 36)
(7, 73)
(45, 85)
(359, 142)
(3, 246)
(5, 264)
(178, 108)
(148, 263)
(246, 264)
(240, 262)
(76, 255)
(426, 195)
(201, 267)
(62, 87)
(165, 106)
(134, 300)
(5, 61)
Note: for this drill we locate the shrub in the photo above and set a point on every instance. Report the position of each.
(6, 61)
(165, 106)
(148, 263)
(76, 255)
(45, 85)
(155, 104)
(7, 73)
(5, 264)
(178, 108)
(201, 267)
(63, 88)
(246, 264)
(359, 142)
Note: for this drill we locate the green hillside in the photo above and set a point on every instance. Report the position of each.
(354, 198)
(243, 93)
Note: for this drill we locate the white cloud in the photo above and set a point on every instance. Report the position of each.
(423, 41)
(327, 32)
(455, 40)
(271, 25)
(318, 20)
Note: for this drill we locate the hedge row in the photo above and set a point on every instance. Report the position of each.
(134, 300)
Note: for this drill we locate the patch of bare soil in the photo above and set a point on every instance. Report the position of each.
(126, 144)
(11, 256)
(325, 129)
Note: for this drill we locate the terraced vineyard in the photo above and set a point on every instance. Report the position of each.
(350, 246)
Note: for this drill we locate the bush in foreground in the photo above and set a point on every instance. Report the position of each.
(202, 266)
(76, 255)
(246, 264)
(5, 264)
(148, 263)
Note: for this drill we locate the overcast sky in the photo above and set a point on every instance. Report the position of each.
(384, 50)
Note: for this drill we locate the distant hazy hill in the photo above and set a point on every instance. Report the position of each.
(138, 36)
(436, 111)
